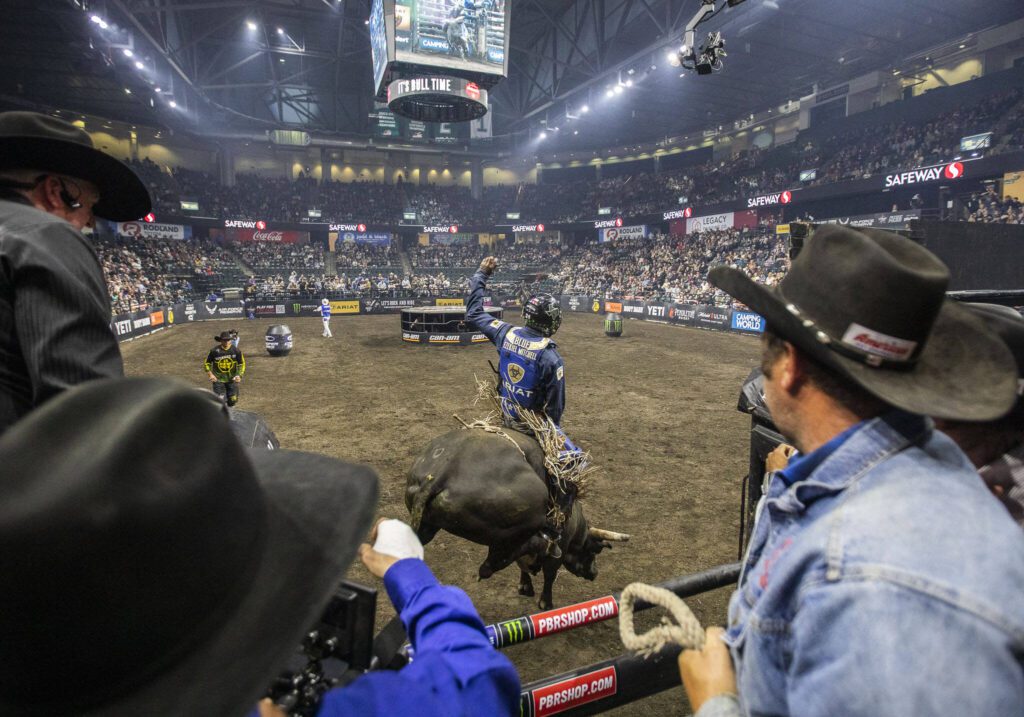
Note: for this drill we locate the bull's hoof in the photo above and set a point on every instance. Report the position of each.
(545, 603)
(485, 571)
(526, 590)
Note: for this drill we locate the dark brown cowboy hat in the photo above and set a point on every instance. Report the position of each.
(152, 565)
(871, 305)
(29, 140)
(224, 336)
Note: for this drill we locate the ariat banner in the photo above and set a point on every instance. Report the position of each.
(345, 307)
(450, 302)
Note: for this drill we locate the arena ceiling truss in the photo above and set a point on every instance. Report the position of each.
(251, 65)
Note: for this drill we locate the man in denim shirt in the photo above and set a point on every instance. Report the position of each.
(881, 577)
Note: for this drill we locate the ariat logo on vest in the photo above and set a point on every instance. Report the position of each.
(516, 372)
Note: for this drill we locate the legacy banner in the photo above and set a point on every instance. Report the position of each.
(712, 222)
(637, 231)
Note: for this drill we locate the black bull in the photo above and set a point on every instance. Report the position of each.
(478, 486)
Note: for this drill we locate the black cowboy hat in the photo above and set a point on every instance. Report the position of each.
(152, 565)
(29, 140)
(224, 336)
(1008, 324)
(871, 305)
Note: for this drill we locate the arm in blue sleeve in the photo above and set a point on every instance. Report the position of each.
(554, 400)
(492, 328)
(455, 670)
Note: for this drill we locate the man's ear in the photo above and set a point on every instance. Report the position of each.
(790, 367)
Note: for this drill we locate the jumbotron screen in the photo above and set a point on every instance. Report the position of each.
(464, 38)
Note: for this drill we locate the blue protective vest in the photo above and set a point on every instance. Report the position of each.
(520, 368)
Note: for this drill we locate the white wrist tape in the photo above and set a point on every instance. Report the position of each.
(397, 539)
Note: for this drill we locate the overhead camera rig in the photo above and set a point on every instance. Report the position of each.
(708, 58)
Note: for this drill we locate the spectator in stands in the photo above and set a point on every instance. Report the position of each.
(54, 309)
(222, 564)
(996, 448)
(854, 597)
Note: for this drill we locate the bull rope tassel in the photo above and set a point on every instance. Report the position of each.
(688, 633)
(487, 425)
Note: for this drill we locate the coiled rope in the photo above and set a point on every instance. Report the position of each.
(685, 632)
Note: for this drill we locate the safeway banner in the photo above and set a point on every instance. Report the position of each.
(711, 222)
(953, 170)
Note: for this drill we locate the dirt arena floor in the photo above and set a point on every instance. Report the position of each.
(657, 409)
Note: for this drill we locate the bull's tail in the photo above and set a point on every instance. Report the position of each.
(429, 488)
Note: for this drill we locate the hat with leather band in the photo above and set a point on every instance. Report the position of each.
(871, 305)
(29, 140)
(152, 565)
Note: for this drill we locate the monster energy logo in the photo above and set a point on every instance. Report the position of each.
(514, 631)
(297, 308)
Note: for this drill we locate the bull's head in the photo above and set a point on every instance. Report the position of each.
(580, 558)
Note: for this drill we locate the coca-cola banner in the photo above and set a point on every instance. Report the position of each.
(273, 236)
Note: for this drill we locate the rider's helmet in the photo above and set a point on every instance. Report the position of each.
(543, 314)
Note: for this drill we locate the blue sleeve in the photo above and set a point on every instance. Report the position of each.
(492, 328)
(455, 670)
(554, 398)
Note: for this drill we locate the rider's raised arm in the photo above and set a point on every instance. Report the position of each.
(492, 328)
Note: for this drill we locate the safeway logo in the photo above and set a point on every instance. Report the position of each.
(521, 228)
(361, 228)
(769, 199)
(953, 170)
(607, 223)
(678, 214)
(453, 229)
(244, 224)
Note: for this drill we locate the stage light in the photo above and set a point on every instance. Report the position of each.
(96, 19)
(157, 90)
(173, 104)
(585, 108)
(575, 131)
(250, 24)
(629, 83)
(609, 93)
(280, 31)
(618, 89)
(139, 65)
(543, 135)
(127, 52)
(127, 91)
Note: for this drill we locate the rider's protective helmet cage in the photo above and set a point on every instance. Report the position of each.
(543, 314)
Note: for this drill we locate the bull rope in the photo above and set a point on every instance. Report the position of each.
(687, 633)
(486, 425)
(575, 468)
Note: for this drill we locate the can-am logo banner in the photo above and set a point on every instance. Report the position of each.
(373, 238)
(678, 214)
(144, 230)
(268, 236)
(891, 220)
(244, 224)
(606, 223)
(770, 199)
(638, 231)
(953, 170)
(712, 222)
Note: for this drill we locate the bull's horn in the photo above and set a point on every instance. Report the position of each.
(608, 535)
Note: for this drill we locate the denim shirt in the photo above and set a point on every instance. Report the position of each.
(887, 580)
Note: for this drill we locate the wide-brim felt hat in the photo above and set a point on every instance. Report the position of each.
(1008, 324)
(223, 336)
(871, 305)
(153, 566)
(29, 140)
